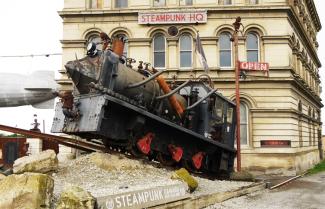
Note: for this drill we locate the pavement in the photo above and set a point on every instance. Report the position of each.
(307, 192)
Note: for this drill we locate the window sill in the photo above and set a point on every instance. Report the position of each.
(227, 68)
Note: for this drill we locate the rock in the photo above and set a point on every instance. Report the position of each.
(242, 176)
(2, 176)
(42, 163)
(184, 175)
(28, 190)
(76, 198)
(114, 162)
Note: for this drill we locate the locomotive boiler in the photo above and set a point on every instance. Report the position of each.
(137, 112)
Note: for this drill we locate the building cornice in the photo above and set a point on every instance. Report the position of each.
(68, 13)
(294, 19)
(313, 12)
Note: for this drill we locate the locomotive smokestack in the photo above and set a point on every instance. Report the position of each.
(118, 46)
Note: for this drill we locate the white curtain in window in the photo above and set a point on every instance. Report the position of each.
(252, 47)
(243, 124)
(185, 46)
(159, 51)
(225, 50)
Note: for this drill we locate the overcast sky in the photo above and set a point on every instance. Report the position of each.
(34, 27)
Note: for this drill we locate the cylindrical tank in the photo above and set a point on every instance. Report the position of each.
(116, 76)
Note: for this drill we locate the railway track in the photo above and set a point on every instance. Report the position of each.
(69, 142)
(94, 147)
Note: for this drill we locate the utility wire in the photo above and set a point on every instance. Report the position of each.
(30, 55)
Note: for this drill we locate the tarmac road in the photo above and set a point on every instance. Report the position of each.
(304, 193)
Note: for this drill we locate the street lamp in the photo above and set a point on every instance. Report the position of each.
(234, 39)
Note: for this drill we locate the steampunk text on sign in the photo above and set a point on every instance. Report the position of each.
(173, 17)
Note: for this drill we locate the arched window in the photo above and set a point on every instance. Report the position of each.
(252, 47)
(185, 51)
(244, 124)
(159, 54)
(225, 50)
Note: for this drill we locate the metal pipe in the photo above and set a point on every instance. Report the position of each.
(135, 85)
(173, 91)
(179, 109)
(237, 25)
(200, 100)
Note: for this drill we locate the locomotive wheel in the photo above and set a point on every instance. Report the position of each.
(135, 152)
(188, 166)
(165, 159)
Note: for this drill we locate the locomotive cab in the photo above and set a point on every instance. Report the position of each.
(214, 117)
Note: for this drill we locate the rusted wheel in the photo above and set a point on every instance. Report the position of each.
(165, 159)
(135, 152)
(189, 166)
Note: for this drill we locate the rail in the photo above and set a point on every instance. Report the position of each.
(69, 142)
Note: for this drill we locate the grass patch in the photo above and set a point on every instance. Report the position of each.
(317, 168)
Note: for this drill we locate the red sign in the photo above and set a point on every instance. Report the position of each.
(199, 16)
(254, 66)
(275, 143)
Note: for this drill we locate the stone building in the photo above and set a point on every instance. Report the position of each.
(280, 114)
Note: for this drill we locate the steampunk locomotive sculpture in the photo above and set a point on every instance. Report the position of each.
(137, 112)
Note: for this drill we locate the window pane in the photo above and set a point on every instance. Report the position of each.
(243, 123)
(219, 108)
(121, 3)
(186, 59)
(159, 59)
(159, 2)
(225, 59)
(94, 4)
(224, 41)
(186, 43)
(243, 113)
(253, 1)
(188, 2)
(252, 41)
(243, 134)
(252, 56)
(159, 43)
(226, 2)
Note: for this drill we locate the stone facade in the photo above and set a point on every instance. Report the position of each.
(284, 107)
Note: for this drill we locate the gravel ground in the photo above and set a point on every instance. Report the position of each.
(121, 174)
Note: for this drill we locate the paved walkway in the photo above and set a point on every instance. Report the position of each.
(304, 193)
